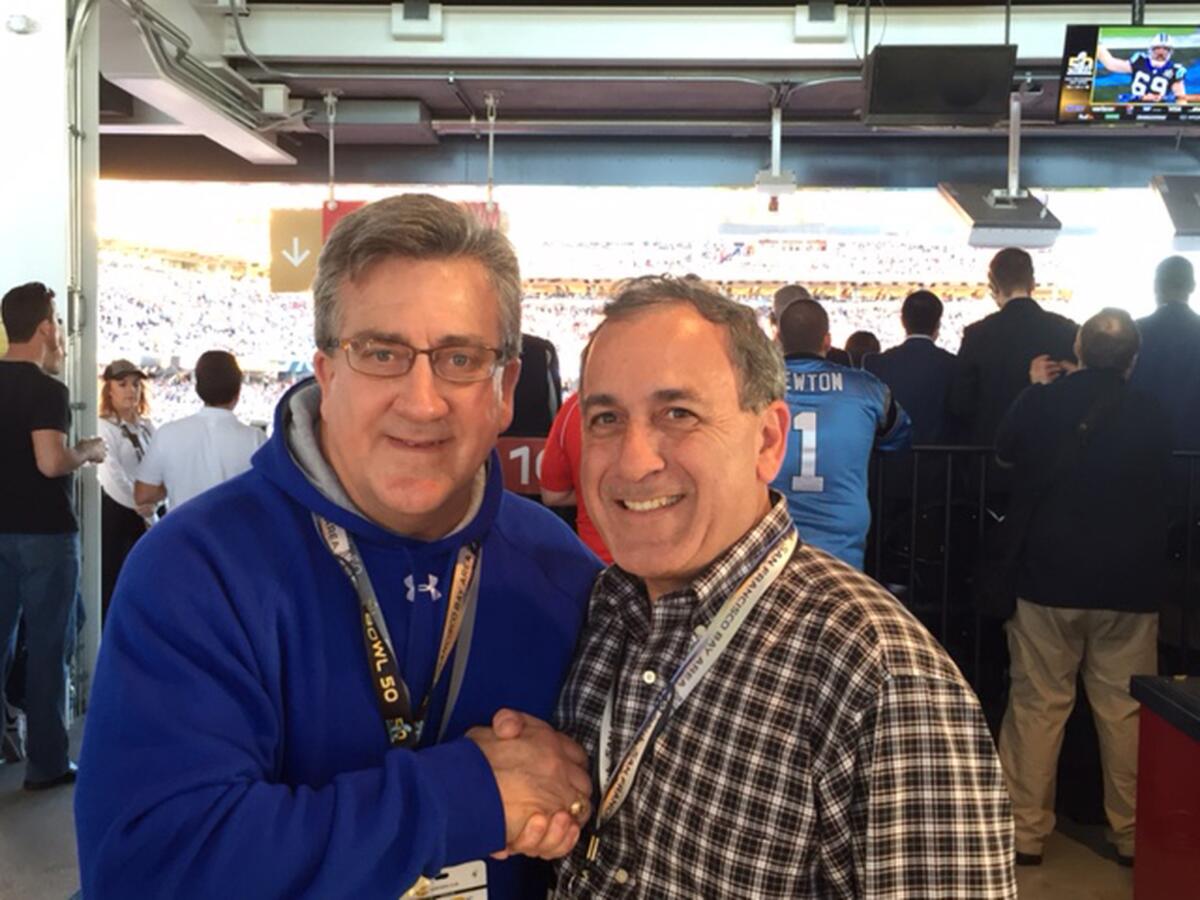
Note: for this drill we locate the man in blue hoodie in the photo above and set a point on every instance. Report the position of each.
(296, 689)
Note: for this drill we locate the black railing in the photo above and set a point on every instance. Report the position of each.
(931, 511)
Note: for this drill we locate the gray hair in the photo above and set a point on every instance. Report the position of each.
(414, 226)
(756, 360)
(785, 297)
(1109, 340)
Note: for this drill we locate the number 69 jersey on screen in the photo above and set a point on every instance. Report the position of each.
(839, 415)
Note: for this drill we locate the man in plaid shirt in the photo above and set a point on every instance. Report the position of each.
(766, 721)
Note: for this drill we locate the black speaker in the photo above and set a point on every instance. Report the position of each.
(939, 85)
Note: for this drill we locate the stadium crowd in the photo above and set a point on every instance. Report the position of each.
(164, 310)
(865, 259)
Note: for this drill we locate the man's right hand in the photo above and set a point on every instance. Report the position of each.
(540, 774)
(1043, 369)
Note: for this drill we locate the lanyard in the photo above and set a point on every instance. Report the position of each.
(404, 725)
(717, 635)
(138, 449)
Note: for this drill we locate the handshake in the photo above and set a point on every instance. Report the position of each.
(544, 784)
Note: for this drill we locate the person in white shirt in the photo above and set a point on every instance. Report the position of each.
(204, 449)
(127, 432)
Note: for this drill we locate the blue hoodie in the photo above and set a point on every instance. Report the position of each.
(234, 745)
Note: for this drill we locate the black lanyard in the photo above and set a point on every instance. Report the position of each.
(405, 725)
(138, 450)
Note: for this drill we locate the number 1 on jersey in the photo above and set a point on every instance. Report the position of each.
(808, 479)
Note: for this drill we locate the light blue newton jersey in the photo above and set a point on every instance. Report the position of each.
(838, 415)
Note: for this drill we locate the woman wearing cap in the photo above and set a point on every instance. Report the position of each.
(127, 432)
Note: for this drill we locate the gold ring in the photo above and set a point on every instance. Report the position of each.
(576, 809)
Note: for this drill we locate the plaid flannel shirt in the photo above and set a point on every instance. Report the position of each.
(834, 750)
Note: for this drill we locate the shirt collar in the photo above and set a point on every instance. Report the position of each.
(1110, 375)
(918, 337)
(1020, 303)
(712, 586)
(721, 578)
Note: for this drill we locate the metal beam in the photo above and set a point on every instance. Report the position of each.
(711, 37)
(528, 34)
(192, 88)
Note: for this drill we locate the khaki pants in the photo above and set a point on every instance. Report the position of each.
(1047, 647)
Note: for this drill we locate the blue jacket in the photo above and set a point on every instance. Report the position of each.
(1168, 368)
(234, 743)
(919, 374)
(993, 365)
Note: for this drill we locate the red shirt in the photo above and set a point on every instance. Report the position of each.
(560, 470)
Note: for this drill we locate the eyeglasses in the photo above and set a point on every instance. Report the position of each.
(462, 363)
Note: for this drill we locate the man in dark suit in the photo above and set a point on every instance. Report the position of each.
(1168, 369)
(1168, 366)
(918, 371)
(997, 351)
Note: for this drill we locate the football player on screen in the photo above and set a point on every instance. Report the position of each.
(1155, 78)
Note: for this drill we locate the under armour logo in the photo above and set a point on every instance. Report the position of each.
(430, 588)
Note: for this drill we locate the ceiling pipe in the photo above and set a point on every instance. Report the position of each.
(756, 127)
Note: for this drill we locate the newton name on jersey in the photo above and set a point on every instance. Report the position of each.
(817, 381)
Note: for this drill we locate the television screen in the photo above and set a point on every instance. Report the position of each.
(1130, 73)
(939, 85)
